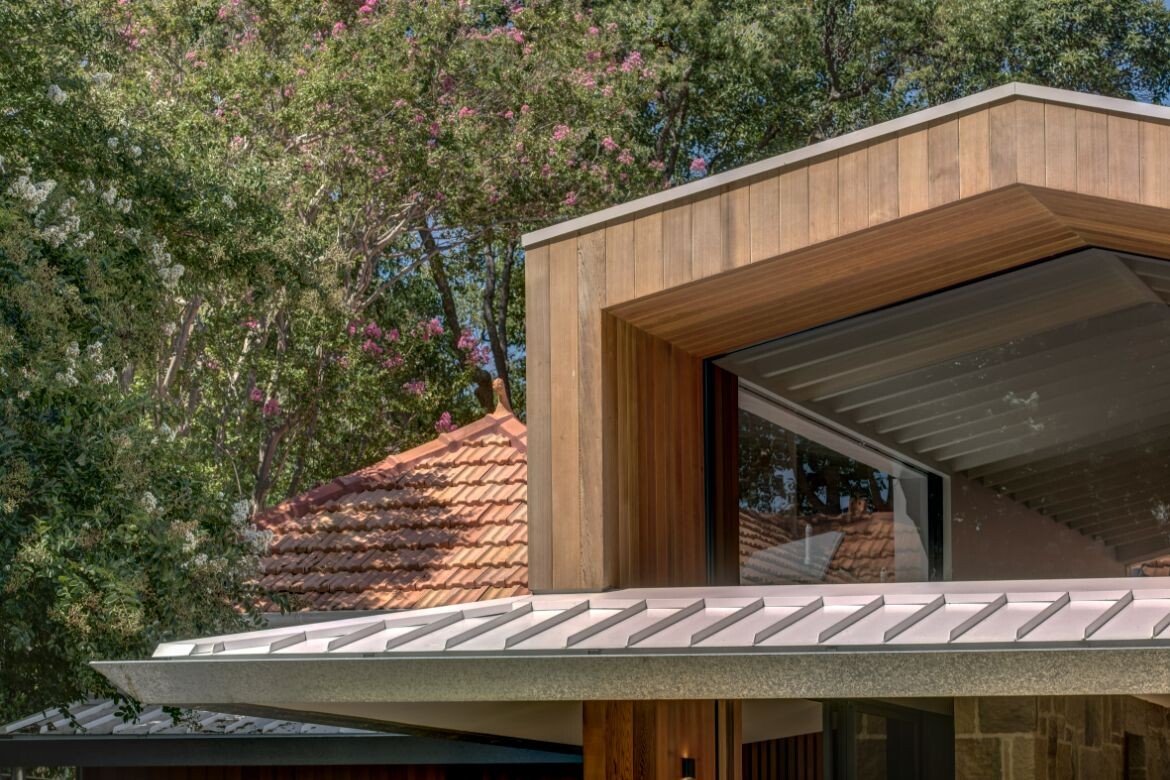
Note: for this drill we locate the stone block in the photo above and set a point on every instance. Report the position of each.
(1027, 758)
(966, 722)
(1007, 715)
(978, 758)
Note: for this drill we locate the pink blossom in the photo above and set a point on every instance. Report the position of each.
(434, 129)
(399, 103)
(222, 14)
(570, 199)
(466, 111)
(524, 109)
(392, 362)
(256, 395)
(608, 144)
(481, 355)
(516, 35)
(467, 340)
(592, 56)
(371, 347)
(271, 407)
(633, 61)
(625, 158)
(657, 165)
(699, 166)
(190, 56)
(594, 31)
(338, 28)
(560, 132)
(509, 114)
(444, 424)
(211, 364)
(611, 26)
(415, 387)
(368, 8)
(372, 330)
(433, 327)
(546, 170)
(392, 335)
(251, 323)
(352, 328)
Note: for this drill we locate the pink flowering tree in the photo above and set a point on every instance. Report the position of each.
(407, 147)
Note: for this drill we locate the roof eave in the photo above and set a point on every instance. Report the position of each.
(841, 672)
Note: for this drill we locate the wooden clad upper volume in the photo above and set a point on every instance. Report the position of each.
(624, 305)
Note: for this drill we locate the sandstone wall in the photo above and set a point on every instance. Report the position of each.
(1061, 738)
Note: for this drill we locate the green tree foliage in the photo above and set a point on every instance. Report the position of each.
(110, 537)
(249, 245)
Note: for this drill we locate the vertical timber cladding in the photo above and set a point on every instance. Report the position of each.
(621, 314)
(647, 740)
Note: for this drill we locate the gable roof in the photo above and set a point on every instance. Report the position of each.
(917, 119)
(443, 523)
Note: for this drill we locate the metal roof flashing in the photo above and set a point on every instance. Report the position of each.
(867, 135)
(910, 639)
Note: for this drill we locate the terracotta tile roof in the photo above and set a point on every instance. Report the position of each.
(443, 523)
(845, 548)
(1158, 567)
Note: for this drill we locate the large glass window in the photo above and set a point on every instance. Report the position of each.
(1040, 396)
(816, 506)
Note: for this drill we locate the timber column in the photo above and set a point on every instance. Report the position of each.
(649, 740)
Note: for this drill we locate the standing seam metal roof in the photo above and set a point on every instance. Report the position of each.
(1133, 612)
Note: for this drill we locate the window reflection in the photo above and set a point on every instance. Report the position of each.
(810, 513)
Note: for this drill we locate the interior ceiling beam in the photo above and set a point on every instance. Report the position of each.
(1137, 530)
(908, 392)
(1073, 497)
(1150, 481)
(1095, 519)
(1047, 379)
(1044, 419)
(1100, 441)
(1012, 474)
(1143, 550)
(1036, 390)
(1090, 467)
(961, 322)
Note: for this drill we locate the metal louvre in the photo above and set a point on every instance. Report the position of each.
(1050, 385)
(777, 619)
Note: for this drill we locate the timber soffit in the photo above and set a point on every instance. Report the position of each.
(1119, 106)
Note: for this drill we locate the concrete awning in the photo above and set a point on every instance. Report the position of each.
(890, 640)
